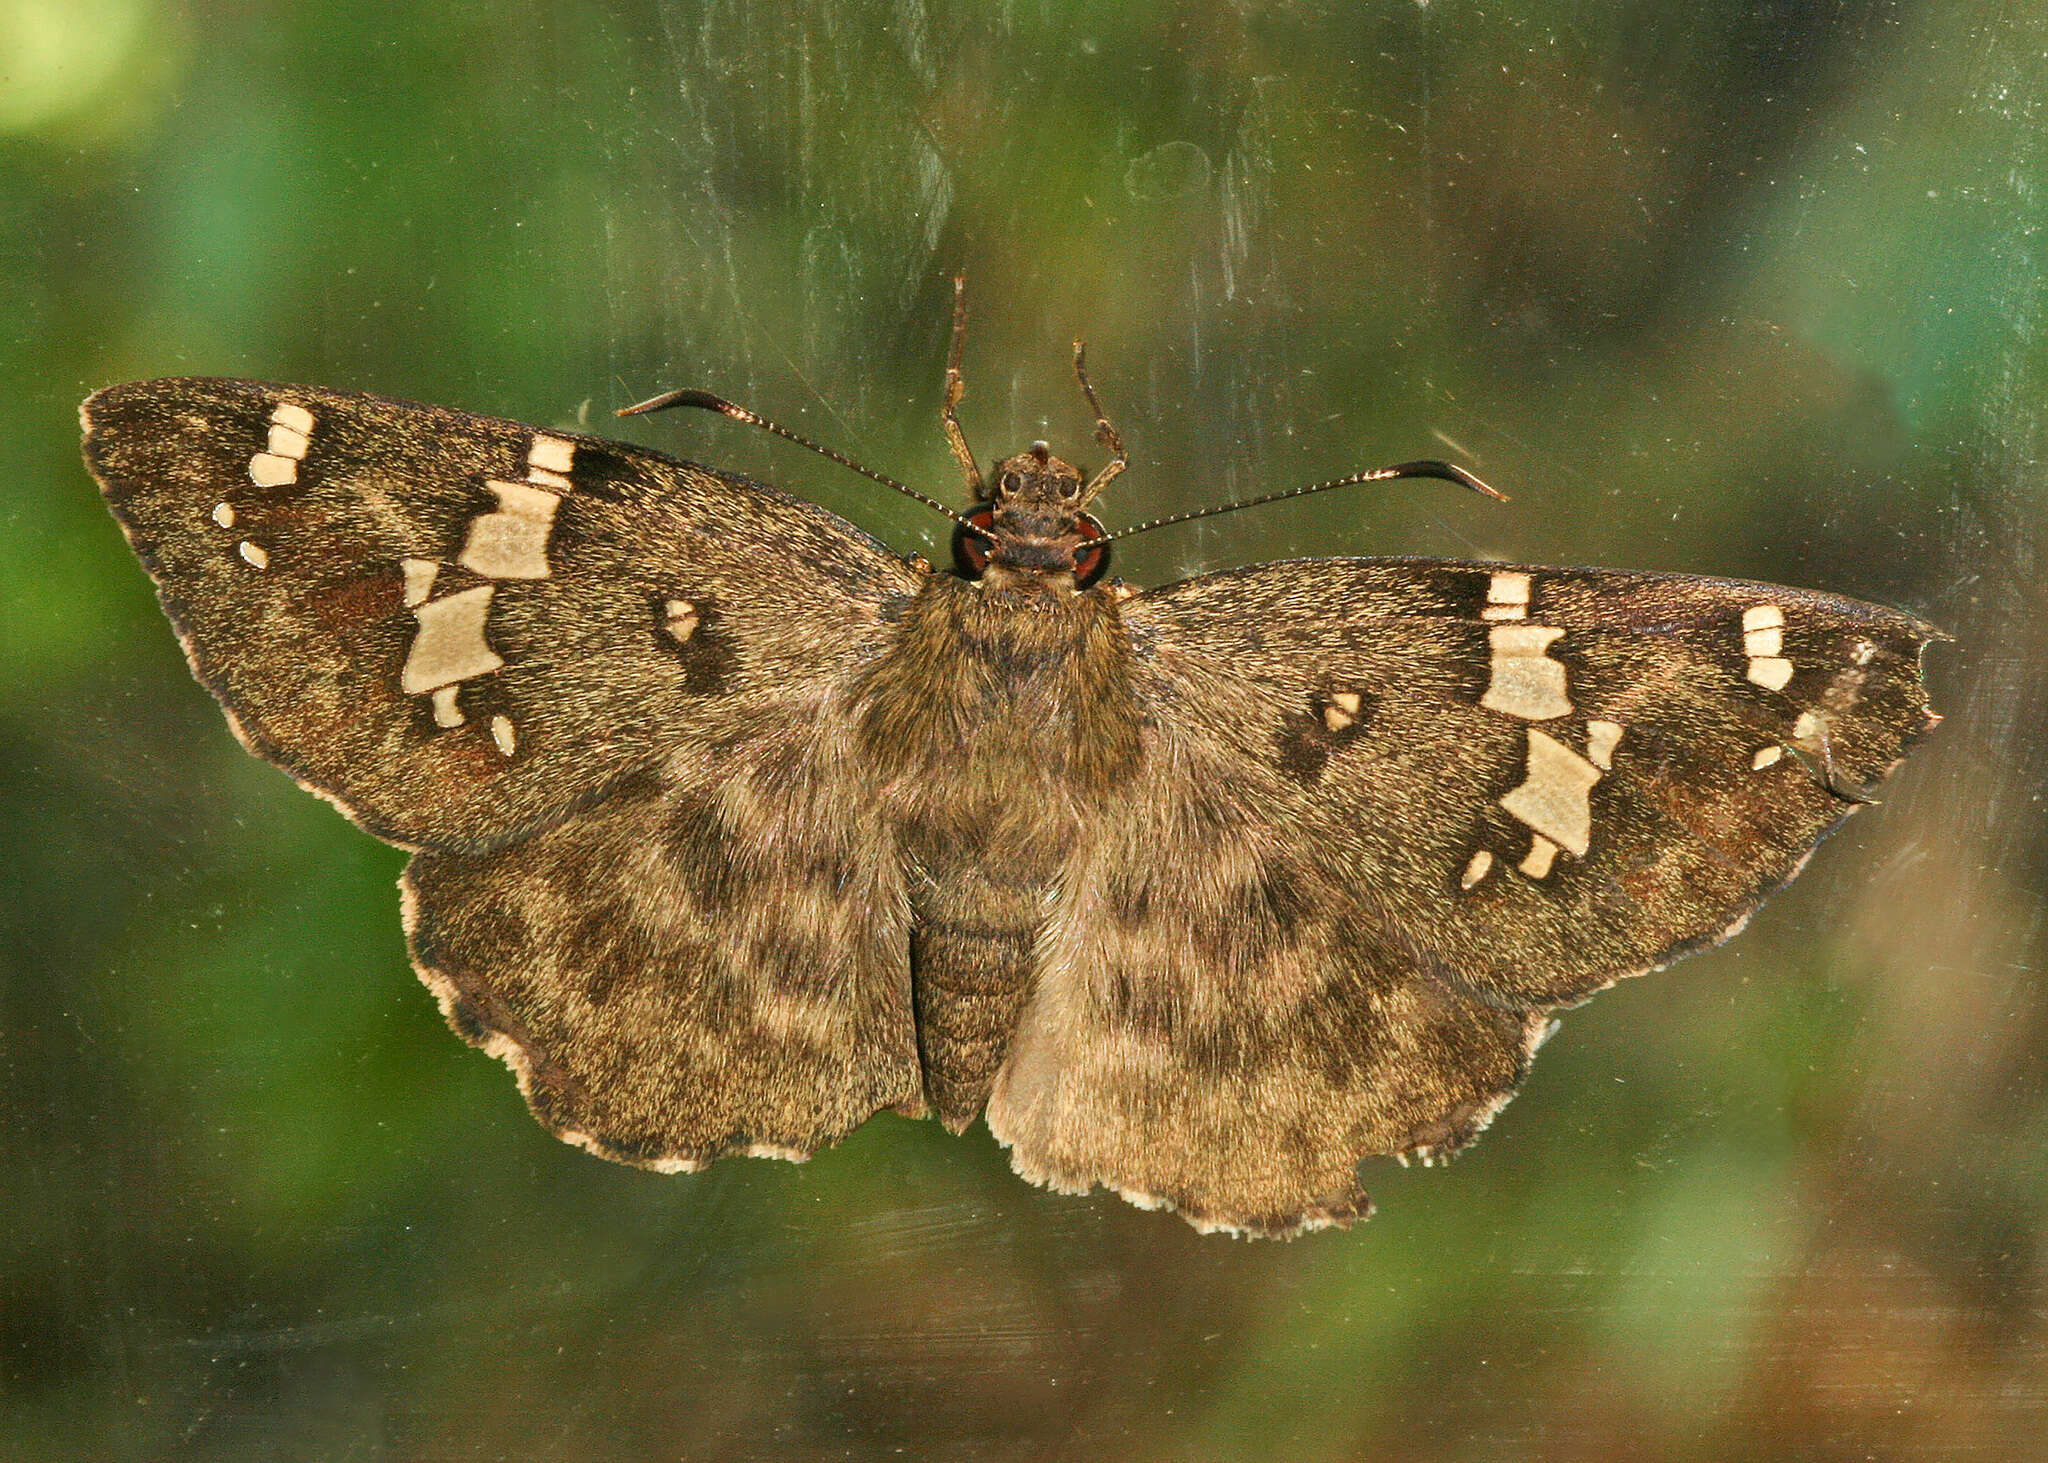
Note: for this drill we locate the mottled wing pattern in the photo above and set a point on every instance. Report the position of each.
(1394, 813)
(536, 658)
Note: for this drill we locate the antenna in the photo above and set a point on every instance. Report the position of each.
(719, 404)
(1426, 468)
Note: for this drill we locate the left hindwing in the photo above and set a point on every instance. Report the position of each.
(462, 629)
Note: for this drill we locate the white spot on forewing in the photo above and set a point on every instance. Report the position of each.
(224, 515)
(1554, 797)
(1525, 682)
(1862, 652)
(512, 543)
(502, 734)
(284, 442)
(447, 710)
(1507, 597)
(1763, 641)
(1336, 718)
(1477, 869)
(1807, 727)
(551, 454)
(1542, 853)
(682, 619)
(254, 553)
(419, 579)
(1766, 757)
(1347, 702)
(1771, 672)
(450, 645)
(291, 415)
(269, 470)
(1602, 737)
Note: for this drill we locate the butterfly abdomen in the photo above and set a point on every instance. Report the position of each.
(1002, 717)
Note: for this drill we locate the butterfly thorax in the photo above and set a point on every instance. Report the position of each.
(1004, 718)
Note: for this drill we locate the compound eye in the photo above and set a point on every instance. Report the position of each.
(1091, 558)
(1012, 484)
(970, 551)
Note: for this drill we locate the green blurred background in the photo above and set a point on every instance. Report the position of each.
(1752, 289)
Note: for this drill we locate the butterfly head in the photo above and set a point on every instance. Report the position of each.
(1035, 515)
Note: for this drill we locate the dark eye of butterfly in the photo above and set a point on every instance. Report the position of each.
(1013, 484)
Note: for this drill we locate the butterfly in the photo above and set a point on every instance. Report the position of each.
(731, 827)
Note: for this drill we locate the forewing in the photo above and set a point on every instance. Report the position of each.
(603, 693)
(1393, 813)
(461, 629)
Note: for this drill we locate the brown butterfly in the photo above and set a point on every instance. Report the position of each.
(731, 827)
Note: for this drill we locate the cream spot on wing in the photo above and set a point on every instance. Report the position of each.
(1507, 597)
(270, 470)
(1771, 672)
(224, 515)
(1346, 701)
(254, 553)
(1807, 728)
(502, 734)
(682, 619)
(1763, 641)
(1862, 652)
(1602, 737)
(1766, 757)
(1336, 718)
(1542, 853)
(1525, 681)
(512, 543)
(447, 710)
(419, 579)
(551, 454)
(450, 645)
(291, 430)
(1553, 799)
(1477, 869)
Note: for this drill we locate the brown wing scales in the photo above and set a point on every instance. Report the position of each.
(1393, 814)
(603, 693)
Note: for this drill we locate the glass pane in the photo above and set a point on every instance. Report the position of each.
(1743, 290)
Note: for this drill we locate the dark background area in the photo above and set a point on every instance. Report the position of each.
(1747, 289)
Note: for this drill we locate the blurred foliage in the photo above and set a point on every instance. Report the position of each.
(1746, 288)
